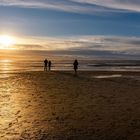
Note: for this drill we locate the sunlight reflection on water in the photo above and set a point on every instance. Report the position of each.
(5, 68)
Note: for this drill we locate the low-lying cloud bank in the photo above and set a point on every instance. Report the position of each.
(85, 45)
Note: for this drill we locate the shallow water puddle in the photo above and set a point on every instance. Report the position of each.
(108, 76)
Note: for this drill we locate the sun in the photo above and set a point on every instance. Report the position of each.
(6, 41)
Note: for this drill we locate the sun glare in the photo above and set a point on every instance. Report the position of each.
(6, 41)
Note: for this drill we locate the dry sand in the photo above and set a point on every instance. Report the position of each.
(61, 106)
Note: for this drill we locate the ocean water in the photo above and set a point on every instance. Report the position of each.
(14, 66)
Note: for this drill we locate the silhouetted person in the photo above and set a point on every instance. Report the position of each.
(75, 64)
(45, 64)
(49, 64)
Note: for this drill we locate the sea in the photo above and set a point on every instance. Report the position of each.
(16, 66)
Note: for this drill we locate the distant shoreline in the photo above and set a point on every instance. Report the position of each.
(80, 73)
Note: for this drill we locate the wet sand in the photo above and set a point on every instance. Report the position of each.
(60, 106)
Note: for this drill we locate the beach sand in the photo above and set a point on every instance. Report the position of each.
(61, 106)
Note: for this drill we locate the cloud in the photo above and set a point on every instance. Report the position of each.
(83, 44)
(80, 46)
(130, 5)
(28, 47)
(78, 6)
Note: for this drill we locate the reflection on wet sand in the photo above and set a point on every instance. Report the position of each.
(19, 109)
(7, 107)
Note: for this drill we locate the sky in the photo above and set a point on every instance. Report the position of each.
(96, 25)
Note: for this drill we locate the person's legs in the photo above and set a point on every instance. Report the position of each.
(45, 68)
(75, 70)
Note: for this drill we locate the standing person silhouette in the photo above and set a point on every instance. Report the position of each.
(45, 64)
(75, 64)
(50, 63)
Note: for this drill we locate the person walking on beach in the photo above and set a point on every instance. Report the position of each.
(49, 64)
(75, 64)
(45, 64)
